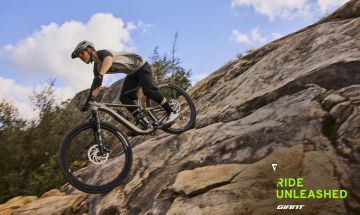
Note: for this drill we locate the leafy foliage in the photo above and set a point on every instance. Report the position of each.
(168, 69)
(29, 147)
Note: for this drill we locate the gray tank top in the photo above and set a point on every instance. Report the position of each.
(123, 62)
(126, 62)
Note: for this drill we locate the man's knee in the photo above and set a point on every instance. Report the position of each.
(149, 91)
(153, 93)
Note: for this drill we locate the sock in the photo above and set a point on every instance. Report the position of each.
(167, 107)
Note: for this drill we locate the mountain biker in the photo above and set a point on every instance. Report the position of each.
(138, 73)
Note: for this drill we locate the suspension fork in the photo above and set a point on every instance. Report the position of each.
(97, 132)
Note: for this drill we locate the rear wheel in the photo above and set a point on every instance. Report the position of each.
(85, 167)
(181, 102)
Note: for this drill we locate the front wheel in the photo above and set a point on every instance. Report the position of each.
(181, 102)
(88, 170)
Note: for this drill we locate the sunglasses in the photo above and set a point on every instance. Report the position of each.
(81, 54)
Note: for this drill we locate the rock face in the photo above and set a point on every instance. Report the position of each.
(294, 102)
(252, 192)
(14, 203)
(70, 204)
(195, 181)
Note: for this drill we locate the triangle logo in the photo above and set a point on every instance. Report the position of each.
(274, 165)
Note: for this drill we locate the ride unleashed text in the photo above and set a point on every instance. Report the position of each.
(293, 188)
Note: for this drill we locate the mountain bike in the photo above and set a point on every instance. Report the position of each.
(96, 156)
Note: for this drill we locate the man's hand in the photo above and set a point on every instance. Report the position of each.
(96, 91)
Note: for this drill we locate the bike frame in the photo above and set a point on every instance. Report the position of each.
(106, 108)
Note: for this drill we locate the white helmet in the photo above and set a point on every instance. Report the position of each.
(81, 46)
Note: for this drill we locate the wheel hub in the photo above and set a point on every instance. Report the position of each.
(95, 157)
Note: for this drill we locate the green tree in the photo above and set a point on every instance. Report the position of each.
(11, 148)
(168, 69)
(29, 147)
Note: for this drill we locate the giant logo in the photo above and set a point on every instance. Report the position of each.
(290, 207)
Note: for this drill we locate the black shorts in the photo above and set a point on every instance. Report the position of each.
(141, 78)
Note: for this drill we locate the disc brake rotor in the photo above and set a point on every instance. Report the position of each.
(95, 157)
